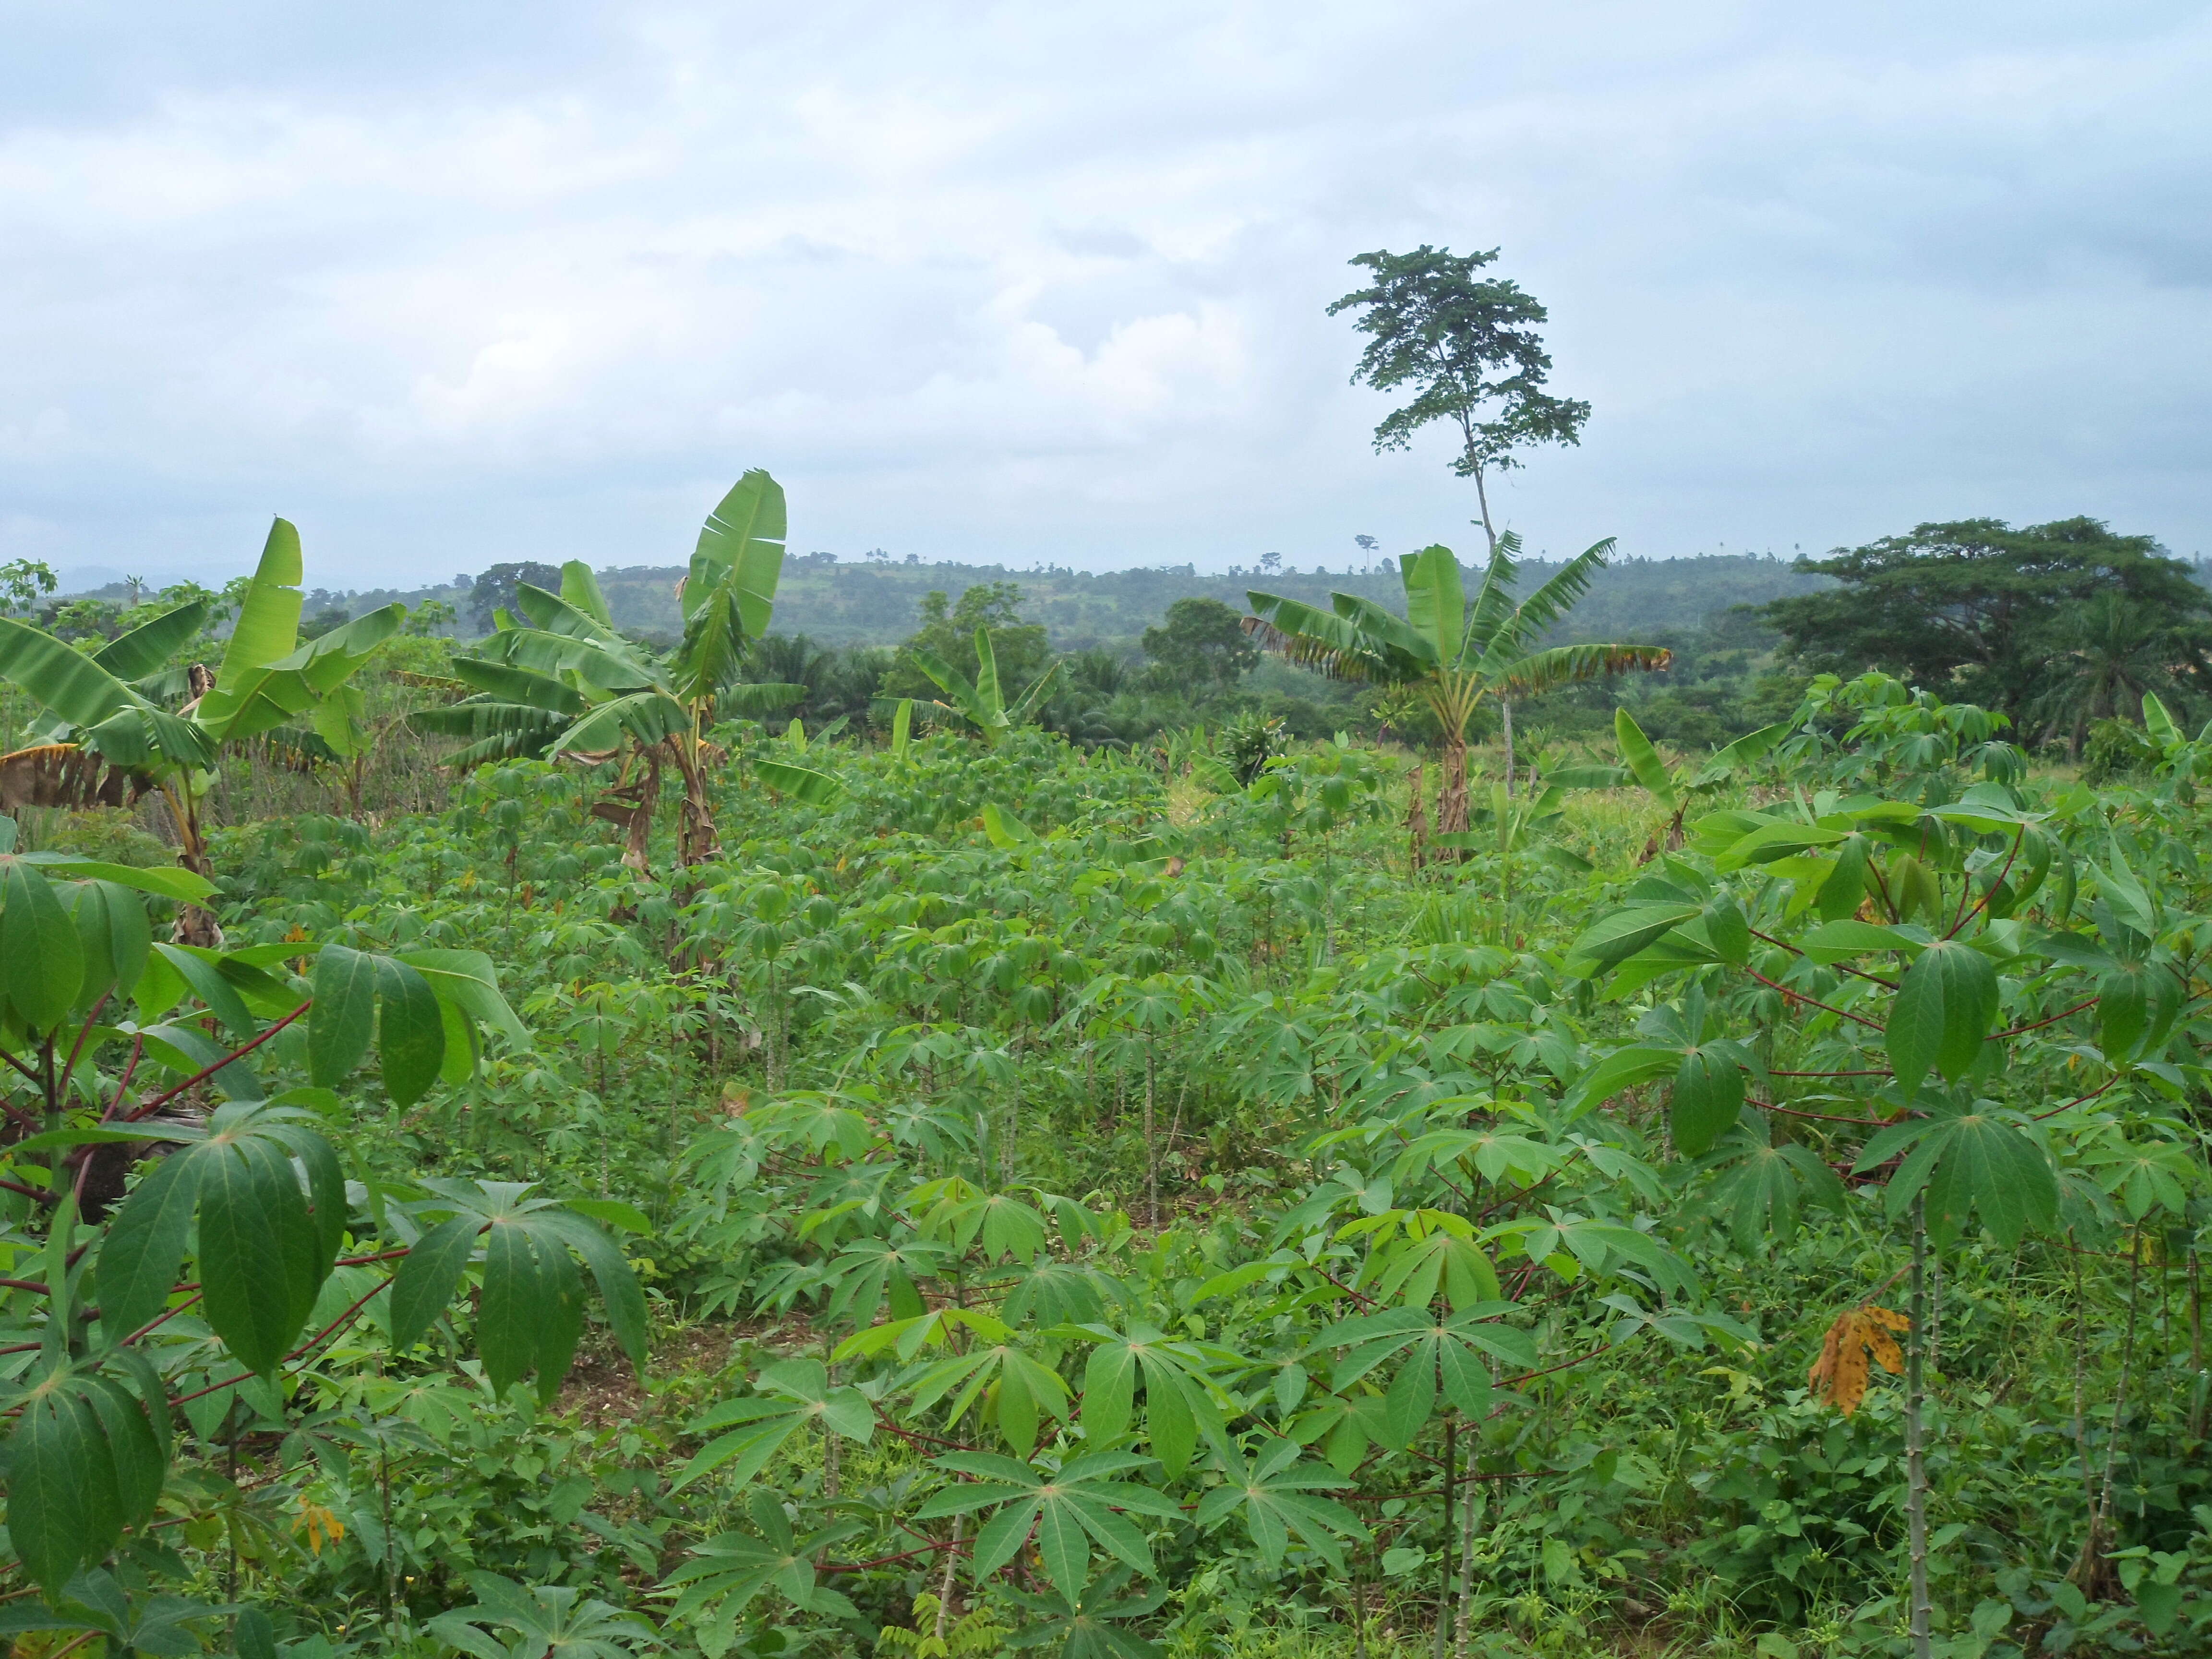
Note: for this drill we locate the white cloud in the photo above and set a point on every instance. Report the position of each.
(1010, 281)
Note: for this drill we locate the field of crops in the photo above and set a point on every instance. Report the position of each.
(947, 1189)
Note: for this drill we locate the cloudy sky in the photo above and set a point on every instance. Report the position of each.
(449, 283)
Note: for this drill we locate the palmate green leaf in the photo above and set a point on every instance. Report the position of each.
(1433, 1346)
(41, 956)
(1439, 1253)
(428, 1277)
(551, 1621)
(794, 1394)
(1979, 1161)
(1019, 1389)
(530, 1316)
(1067, 1509)
(115, 938)
(1765, 1187)
(2146, 1178)
(1088, 1627)
(1708, 1095)
(2137, 1003)
(1942, 1011)
(1272, 1492)
(735, 1568)
(1179, 1394)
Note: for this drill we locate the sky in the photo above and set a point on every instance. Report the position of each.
(449, 284)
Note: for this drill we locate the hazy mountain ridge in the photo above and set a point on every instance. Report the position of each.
(843, 603)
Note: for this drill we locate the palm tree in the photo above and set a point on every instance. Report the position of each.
(1448, 652)
(2106, 654)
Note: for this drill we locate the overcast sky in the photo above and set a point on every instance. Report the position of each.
(448, 284)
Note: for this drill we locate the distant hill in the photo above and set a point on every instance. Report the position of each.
(841, 604)
(877, 603)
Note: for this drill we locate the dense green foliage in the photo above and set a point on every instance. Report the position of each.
(957, 1180)
(1118, 1205)
(2055, 624)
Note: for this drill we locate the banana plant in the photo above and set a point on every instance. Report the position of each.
(1451, 653)
(564, 680)
(1676, 790)
(982, 701)
(102, 707)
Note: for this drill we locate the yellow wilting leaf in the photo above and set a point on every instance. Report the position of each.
(1858, 1336)
(321, 1525)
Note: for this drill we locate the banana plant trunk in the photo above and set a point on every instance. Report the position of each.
(1451, 798)
(696, 840)
(1451, 697)
(195, 925)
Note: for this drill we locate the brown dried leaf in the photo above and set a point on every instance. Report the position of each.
(63, 774)
(1859, 1336)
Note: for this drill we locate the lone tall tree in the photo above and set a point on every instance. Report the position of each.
(1467, 344)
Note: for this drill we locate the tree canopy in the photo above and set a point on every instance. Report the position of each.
(1469, 346)
(1201, 643)
(1980, 611)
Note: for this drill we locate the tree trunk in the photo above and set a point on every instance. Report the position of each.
(1916, 1470)
(1482, 498)
(1505, 712)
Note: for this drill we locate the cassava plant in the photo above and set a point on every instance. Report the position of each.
(1942, 998)
(176, 1205)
